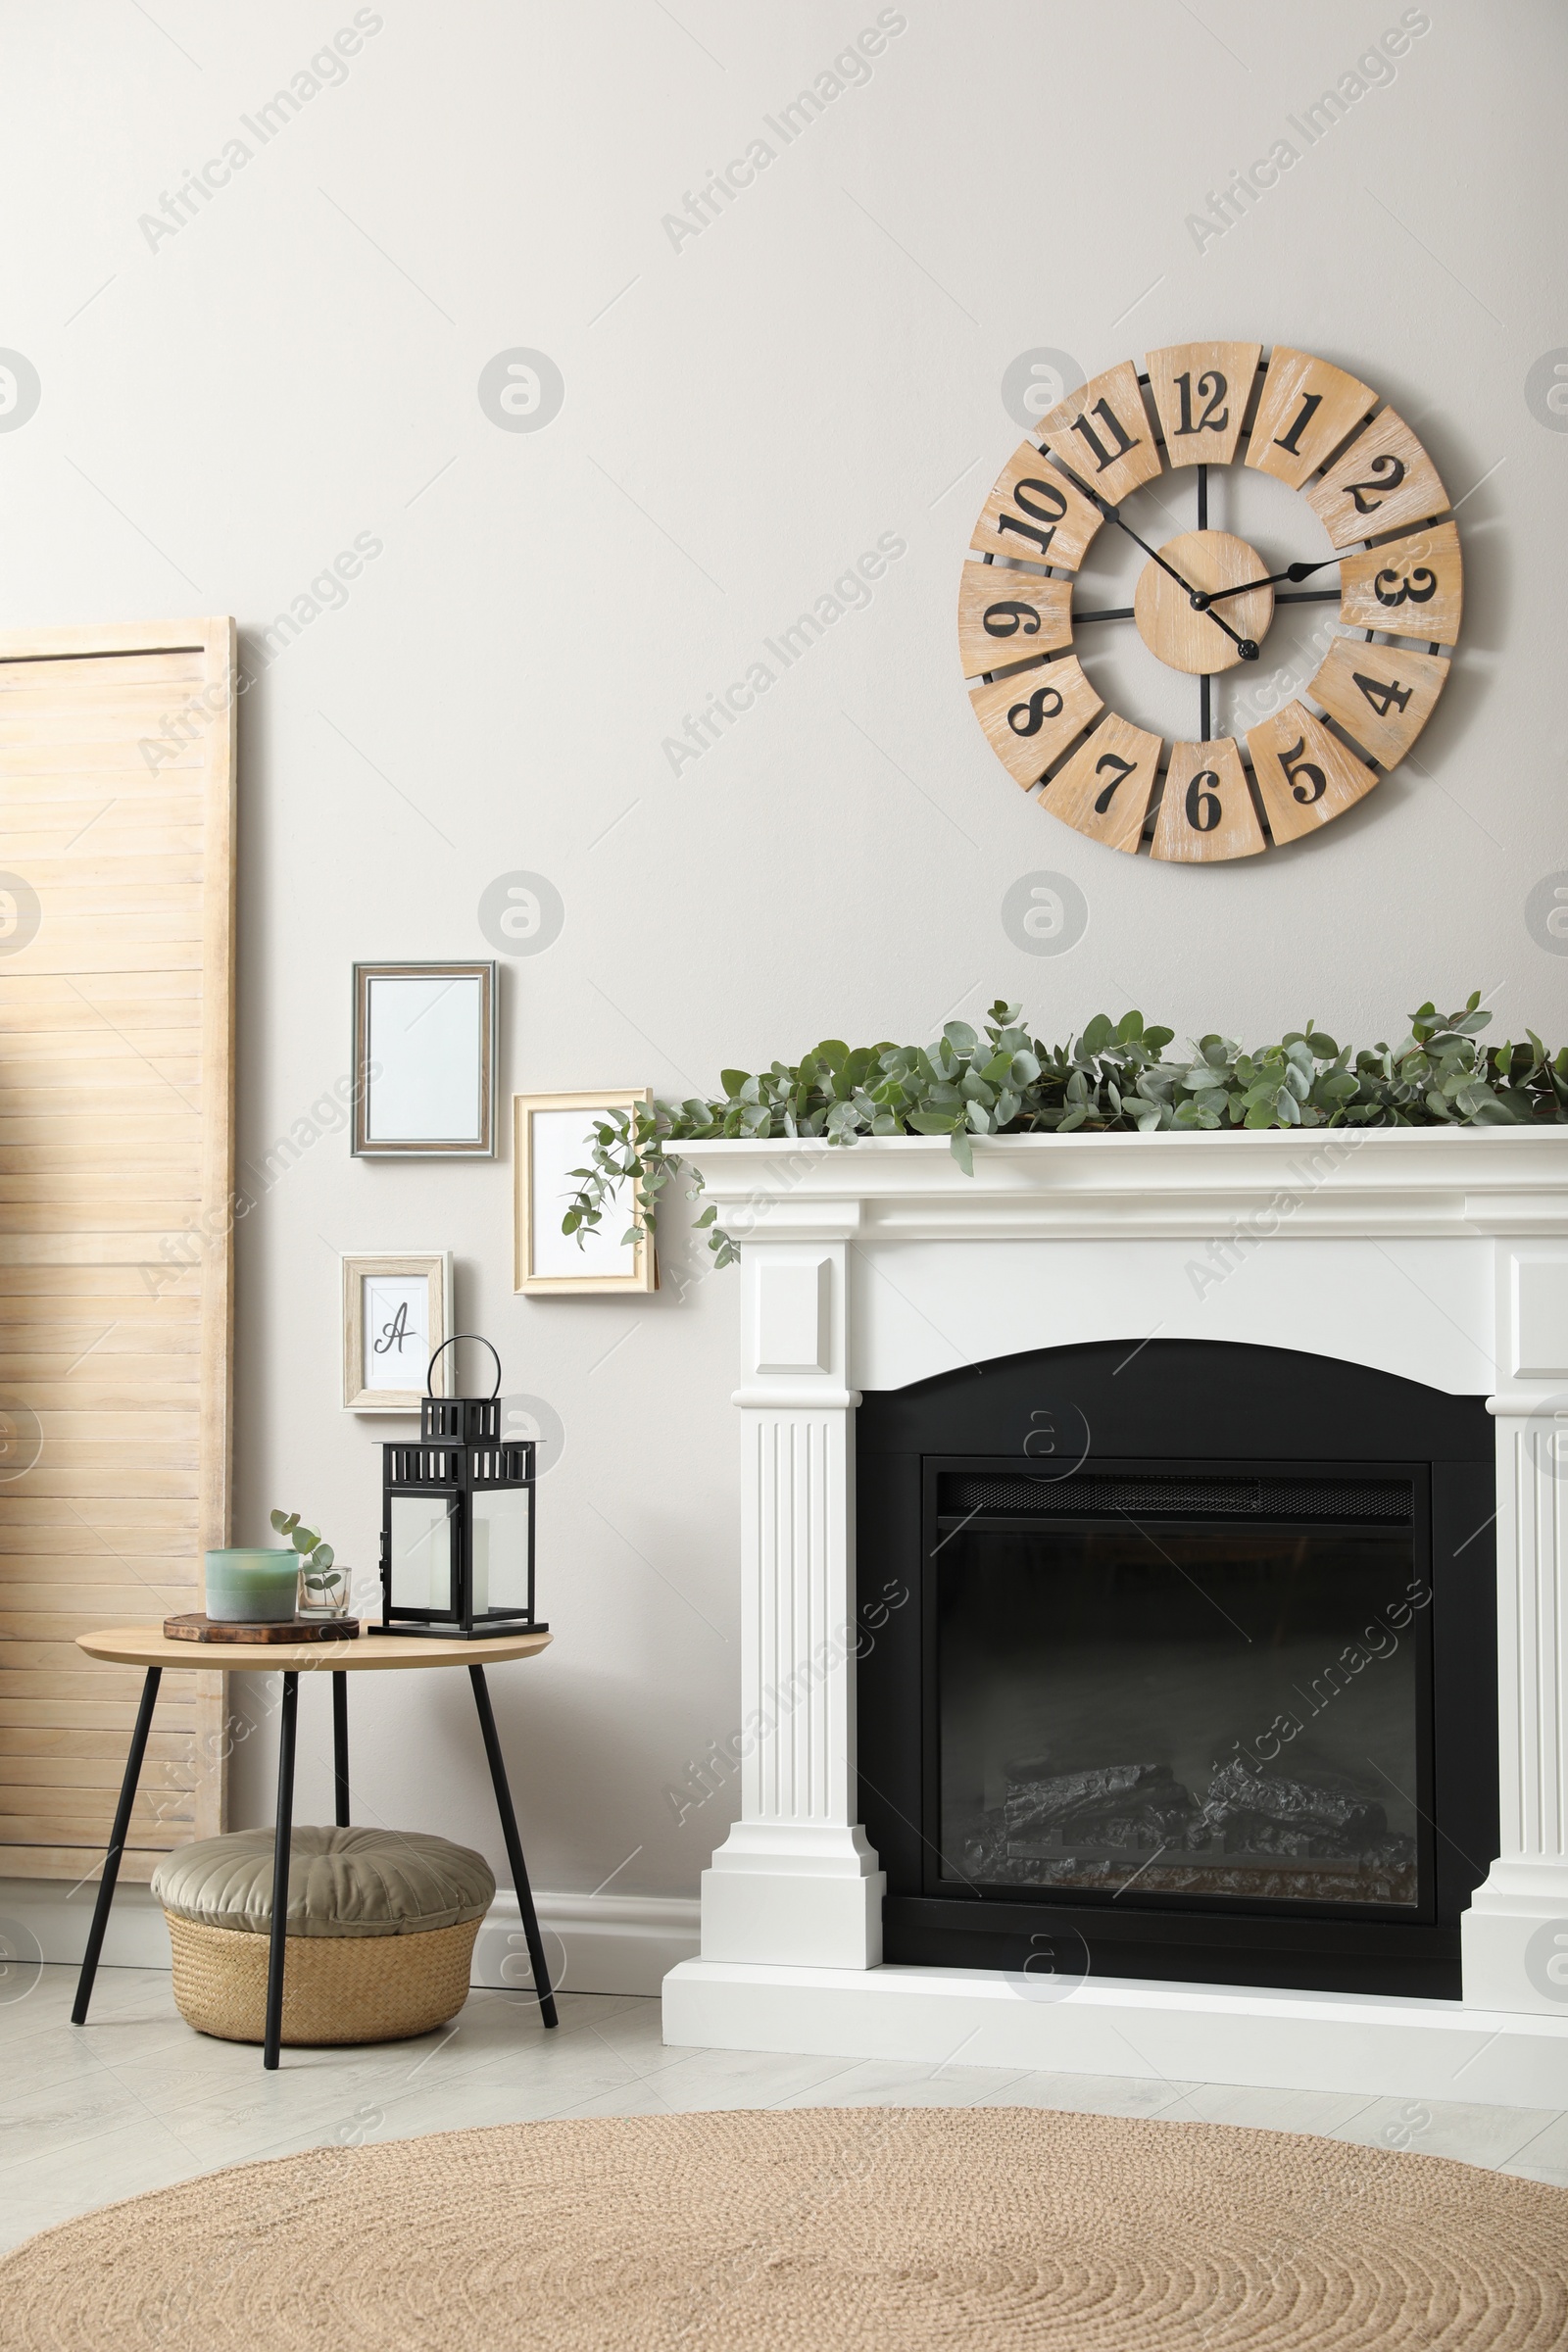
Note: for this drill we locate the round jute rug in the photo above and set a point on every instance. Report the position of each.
(818, 2228)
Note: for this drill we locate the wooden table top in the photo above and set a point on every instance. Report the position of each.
(148, 1645)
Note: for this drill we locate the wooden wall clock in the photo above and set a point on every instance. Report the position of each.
(1204, 600)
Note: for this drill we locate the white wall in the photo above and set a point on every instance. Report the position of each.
(224, 409)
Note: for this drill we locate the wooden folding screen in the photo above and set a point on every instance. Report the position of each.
(117, 887)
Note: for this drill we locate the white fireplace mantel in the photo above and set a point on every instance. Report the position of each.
(1435, 1180)
(1438, 1255)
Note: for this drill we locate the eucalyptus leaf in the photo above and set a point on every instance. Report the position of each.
(1113, 1077)
(304, 1539)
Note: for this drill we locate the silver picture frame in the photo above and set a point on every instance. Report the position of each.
(424, 1061)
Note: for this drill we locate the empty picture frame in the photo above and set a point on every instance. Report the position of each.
(553, 1136)
(424, 1038)
(397, 1311)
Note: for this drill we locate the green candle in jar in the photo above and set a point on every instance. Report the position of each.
(254, 1587)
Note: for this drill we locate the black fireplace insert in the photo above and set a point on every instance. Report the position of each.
(1179, 1661)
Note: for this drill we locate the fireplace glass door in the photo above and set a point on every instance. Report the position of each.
(1212, 1687)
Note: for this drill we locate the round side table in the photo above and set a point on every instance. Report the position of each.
(370, 1653)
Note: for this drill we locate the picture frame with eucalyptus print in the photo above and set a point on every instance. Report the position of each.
(552, 1135)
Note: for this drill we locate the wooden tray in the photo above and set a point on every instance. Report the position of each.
(198, 1627)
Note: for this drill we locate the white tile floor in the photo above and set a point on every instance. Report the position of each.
(135, 2100)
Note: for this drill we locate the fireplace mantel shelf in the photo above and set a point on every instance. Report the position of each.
(1313, 1182)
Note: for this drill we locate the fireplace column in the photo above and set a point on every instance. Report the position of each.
(796, 1880)
(1515, 1933)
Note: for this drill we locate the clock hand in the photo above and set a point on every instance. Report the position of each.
(1195, 596)
(1292, 571)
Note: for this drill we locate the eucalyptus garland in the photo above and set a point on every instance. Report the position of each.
(1113, 1077)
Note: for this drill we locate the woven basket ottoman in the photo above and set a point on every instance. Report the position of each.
(381, 1930)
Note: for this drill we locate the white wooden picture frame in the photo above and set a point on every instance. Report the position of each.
(397, 1311)
(551, 1136)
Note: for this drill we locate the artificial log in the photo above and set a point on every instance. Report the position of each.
(1043, 1805)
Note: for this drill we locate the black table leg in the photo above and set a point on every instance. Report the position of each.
(509, 1831)
(281, 1851)
(340, 1744)
(116, 1845)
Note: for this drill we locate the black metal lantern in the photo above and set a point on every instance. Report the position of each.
(457, 1520)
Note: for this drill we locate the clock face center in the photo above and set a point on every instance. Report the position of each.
(1163, 609)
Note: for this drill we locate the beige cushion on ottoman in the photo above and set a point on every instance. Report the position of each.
(340, 1883)
(381, 1927)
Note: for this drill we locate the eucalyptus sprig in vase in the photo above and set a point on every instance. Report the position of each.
(323, 1586)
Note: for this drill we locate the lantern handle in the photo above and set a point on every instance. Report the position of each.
(452, 1342)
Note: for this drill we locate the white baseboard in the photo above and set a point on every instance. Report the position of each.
(56, 1918)
(593, 1943)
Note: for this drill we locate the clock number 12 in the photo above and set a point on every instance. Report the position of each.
(1214, 418)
